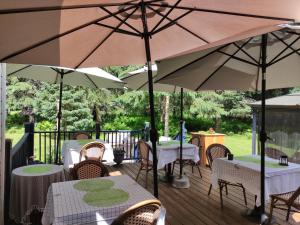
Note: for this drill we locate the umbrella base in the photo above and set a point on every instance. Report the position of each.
(182, 182)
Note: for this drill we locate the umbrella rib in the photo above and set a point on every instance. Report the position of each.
(283, 57)
(23, 68)
(239, 59)
(173, 22)
(179, 25)
(115, 16)
(216, 70)
(47, 40)
(287, 45)
(119, 30)
(164, 17)
(90, 79)
(194, 61)
(227, 12)
(246, 53)
(105, 38)
(54, 8)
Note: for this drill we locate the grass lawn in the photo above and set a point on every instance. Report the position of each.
(239, 144)
(14, 133)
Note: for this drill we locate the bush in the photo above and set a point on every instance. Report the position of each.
(45, 126)
(235, 126)
(15, 118)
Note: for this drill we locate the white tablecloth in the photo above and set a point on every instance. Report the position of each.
(168, 153)
(66, 207)
(277, 180)
(71, 153)
(29, 190)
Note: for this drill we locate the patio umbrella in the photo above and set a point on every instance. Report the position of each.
(138, 80)
(77, 34)
(89, 77)
(241, 65)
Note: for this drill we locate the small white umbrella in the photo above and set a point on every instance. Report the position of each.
(86, 77)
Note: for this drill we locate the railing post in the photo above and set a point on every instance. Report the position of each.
(8, 147)
(98, 128)
(29, 128)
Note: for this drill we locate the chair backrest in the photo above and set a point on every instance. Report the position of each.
(144, 150)
(93, 150)
(295, 199)
(81, 136)
(88, 169)
(143, 213)
(195, 141)
(215, 151)
(274, 153)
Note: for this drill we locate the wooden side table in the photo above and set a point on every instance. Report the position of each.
(206, 140)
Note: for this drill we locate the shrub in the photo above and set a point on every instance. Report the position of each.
(45, 125)
(15, 118)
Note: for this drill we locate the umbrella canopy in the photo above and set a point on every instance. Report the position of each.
(272, 60)
(102, 32)
(105, 32)
(216, 68)
(138, 80)
(88, 77)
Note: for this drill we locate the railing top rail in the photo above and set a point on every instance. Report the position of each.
(89, 131)
(19, 144)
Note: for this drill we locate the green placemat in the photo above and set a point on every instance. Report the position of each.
(93, 185)
(85, 141)
(37, 169)
(257, 161)
(106, 198)
(167, 143)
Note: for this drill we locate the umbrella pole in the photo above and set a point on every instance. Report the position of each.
(181, 130)
(263, 135)
(153, 131)
(57, 160)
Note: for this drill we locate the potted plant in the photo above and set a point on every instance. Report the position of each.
(118, 155)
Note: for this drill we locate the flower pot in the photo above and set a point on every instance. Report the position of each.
(118, 156)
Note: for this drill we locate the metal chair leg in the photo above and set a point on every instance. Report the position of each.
(199, 171)
(245, 197)
(221, 194)
(210, 187)
(226, 189)
(137, 176)
(288, 213)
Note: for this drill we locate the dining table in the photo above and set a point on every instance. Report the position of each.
(95, 201)
(246, 171)
(169, 151)
(29, 187)
(71, 152)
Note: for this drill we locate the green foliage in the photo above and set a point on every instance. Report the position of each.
(14, 118)
(44, 126)
(235, 126)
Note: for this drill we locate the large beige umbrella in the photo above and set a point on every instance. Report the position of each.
(75, 34)
(259, 63)
(88, 77)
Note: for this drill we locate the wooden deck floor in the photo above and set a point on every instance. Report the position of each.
(194, 207)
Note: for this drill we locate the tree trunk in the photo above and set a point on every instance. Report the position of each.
(166, 115)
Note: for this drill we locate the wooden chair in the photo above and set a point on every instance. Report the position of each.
(93, 150)
(220, 151)
(146, 164)
(289, 201)
(185, 162)
(273, 153)
(143, 213)
(88, 169)
(81, 136)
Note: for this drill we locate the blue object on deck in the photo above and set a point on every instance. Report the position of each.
(184, 131)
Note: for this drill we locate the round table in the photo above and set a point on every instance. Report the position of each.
(29, 187)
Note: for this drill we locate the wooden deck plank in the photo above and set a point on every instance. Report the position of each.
(194, 206)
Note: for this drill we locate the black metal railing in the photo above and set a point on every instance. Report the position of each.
(45, 142)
